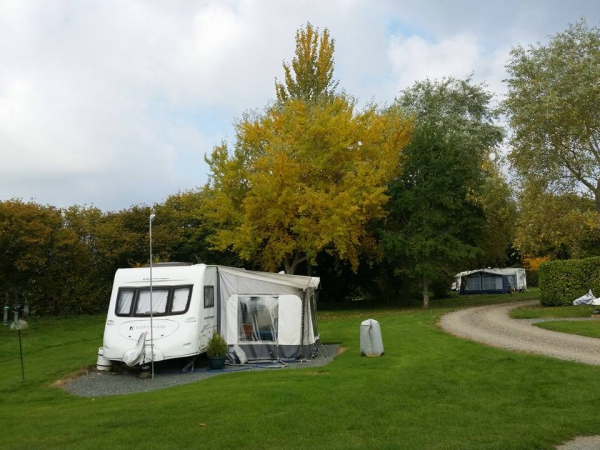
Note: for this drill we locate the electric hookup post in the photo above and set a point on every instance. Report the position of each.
(18, 325)
(6, 309)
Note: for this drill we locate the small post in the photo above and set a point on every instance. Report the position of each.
(152, 216)
(6, 309)
(22, 364)
(19, 324)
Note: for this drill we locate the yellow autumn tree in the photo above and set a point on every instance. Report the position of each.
(307, 175)
(310, 75)
(303, 178)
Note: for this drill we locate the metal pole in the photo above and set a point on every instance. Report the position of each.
(151, 306)
(21, 350)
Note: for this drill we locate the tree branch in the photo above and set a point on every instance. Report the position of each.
(594, 149)
(577, 174)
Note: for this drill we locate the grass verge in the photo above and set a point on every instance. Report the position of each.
(555, 312)
(590, 328)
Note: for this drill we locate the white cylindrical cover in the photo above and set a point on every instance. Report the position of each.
(371, 343)
(103, 364)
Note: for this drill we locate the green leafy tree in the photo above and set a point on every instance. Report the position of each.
(436, 218)
(558, 225)
(122, 237)
(181, 232)
(501, 214)
(552, 105)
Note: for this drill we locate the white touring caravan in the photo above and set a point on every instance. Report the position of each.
(268, 315)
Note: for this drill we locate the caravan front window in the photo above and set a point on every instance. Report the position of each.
(258, 317)
(166, 300)
(124, 301)
(181, 296)
(159, 301)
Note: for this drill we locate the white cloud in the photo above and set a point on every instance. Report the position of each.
(116, 103)
(415, 59)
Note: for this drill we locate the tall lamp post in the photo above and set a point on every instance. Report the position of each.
(152, 216)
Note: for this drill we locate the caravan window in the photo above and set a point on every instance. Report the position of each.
(209, 296)
(159, 302)
(181, 298)
(473, 283)
(170, 300)
(124, 301)
(258, 317)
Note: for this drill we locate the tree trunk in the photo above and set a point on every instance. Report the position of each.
(425, 294)
(597, 196)
(287, 265)
(291, 266)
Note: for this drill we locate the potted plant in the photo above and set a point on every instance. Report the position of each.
(216, 351)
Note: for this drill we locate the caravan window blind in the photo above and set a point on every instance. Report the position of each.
(181, 297)
(159, 301)
(124, 301)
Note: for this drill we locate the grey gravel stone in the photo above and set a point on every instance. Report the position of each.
(581, 443)
(99, 384)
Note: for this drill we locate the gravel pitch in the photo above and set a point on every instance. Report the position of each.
(493, 326)
(100, 384)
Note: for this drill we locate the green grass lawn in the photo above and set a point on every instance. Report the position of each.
(583, 328)
(546, 312)
(430, 391)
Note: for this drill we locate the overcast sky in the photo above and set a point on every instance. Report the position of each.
(115, 103)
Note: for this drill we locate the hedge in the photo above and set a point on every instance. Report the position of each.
(563, 281)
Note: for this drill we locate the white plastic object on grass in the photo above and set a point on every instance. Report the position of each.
(103, 364)
(587, 299)
(371, 343)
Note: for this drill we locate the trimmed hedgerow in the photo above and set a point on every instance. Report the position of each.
(563, 281)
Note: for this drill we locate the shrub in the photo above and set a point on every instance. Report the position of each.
(216, 346)
(563, 281)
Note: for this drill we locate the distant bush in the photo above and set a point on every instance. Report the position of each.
(563, 281)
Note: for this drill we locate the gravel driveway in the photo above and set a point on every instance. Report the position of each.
(492, 325)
